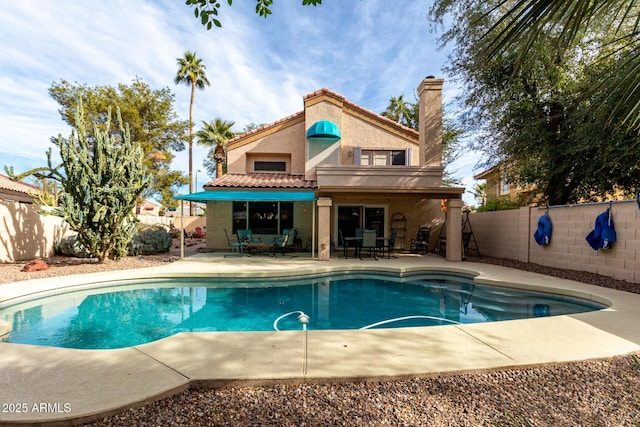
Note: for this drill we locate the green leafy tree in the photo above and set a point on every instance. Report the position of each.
(102, 174)
(214, 134)
(152, 121)
(208, 10)
(612, 25)
(252, 126)
(191, 72)
(537, 112)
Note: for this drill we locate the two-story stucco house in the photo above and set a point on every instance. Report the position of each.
(331, 168)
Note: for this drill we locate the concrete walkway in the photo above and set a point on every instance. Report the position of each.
(54, 385)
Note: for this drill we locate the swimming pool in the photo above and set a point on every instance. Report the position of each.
(125, 314)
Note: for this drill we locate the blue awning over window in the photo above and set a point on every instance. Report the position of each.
(246, 195)
(324, 130)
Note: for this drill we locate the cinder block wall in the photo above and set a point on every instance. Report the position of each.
(509, 234)
(502, 234)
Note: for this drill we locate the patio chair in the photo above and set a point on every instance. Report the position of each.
(421, 242)
(285, 241)
(236, 247)
(245, 237)
(199, 233)
(389, 244)
(369, 241)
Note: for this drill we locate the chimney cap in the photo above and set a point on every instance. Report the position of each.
(430, 77)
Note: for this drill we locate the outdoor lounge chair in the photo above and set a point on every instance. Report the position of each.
(420, 244)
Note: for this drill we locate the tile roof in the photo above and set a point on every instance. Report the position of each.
(20, 187)
(261, 180)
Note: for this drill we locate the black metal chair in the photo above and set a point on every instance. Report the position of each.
(390, 244)
(420, 243)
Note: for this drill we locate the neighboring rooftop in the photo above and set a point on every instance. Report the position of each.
(16, 190)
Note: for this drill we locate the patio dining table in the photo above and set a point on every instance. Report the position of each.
(251, 247)
(356, 242)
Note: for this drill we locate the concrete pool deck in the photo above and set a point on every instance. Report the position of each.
(61, 386)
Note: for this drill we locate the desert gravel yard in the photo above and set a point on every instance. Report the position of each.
(590, 393)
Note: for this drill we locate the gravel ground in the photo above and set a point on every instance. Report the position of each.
(591, 393)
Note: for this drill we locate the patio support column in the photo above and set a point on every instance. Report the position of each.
(454, 230)
(324, 228)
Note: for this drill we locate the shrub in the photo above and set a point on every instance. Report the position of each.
(70, 246)
(149, 241)
(500, 203)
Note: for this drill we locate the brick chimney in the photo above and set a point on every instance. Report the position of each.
(430, 121)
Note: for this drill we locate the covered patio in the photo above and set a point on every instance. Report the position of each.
(211, 197)
(324, 205)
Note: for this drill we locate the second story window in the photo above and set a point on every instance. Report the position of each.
(383, 157)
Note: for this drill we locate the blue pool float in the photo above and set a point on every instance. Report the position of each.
(543, 233)
(603, 236)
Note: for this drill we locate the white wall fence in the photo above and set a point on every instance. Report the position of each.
(509, 234)
(26, 235)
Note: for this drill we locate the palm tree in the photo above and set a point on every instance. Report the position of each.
(191, 72)
(400, 111)
(214, 134)
(480, 192)
(615, 23)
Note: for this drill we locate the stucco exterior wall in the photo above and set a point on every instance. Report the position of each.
(288, 141)
(25, 234)
(357, 132)
(509, 234)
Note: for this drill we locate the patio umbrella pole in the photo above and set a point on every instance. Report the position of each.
(181, 228)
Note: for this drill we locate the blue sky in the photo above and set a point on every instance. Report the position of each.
(259, 69)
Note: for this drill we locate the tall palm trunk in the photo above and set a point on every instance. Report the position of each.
(220, 157)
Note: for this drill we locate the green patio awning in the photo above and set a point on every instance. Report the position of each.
(247, 195)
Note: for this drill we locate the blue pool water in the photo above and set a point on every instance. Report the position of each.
(128, 314)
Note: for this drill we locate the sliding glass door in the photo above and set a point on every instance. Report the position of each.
(352, 217)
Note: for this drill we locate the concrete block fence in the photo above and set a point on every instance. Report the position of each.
(509, 234)
(25, 235)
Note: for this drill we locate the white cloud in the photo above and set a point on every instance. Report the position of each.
(259, 68)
